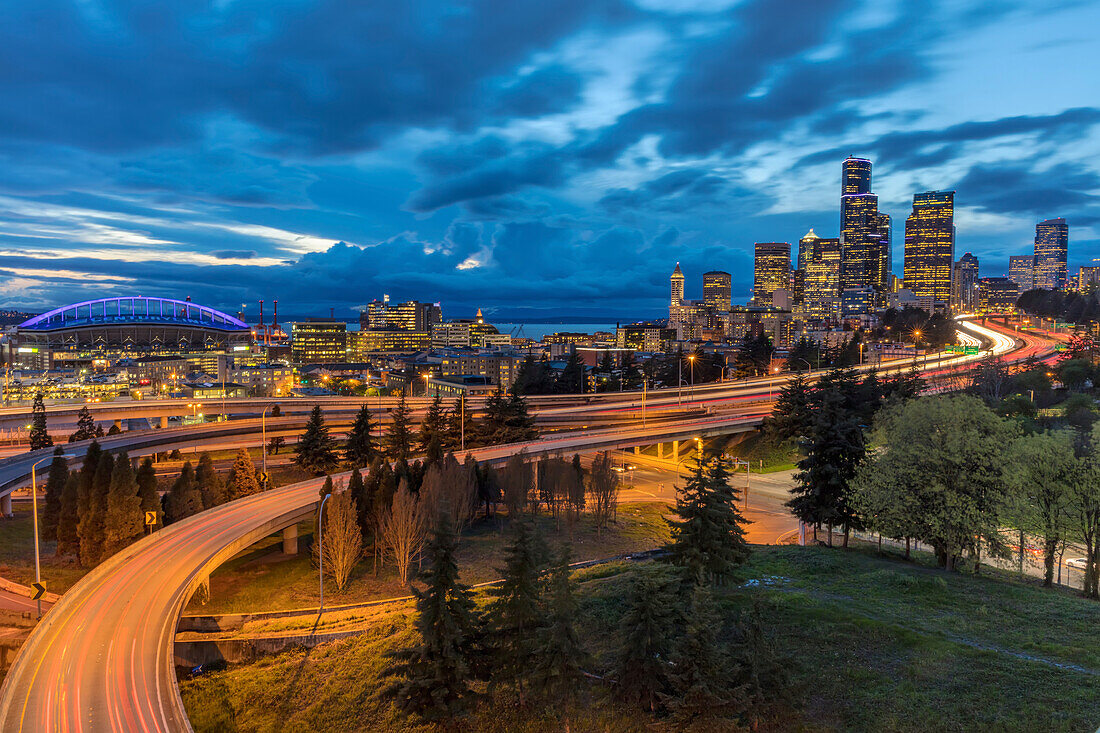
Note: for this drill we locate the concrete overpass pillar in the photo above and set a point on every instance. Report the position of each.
(290, 540)
(164, 421)
(118, 423)
(675, 451)
(660, 451)
(5, 505)
(637, 450)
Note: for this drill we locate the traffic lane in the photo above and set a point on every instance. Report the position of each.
(15, 602)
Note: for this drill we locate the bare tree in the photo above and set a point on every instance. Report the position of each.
(516, 481)
(450, 487)
(342, 541)
(603, 490)
(403, 530)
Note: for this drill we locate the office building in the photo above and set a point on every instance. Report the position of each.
(821, 298)
(997, 295)
(964, 284)
(411, 315)
(717, 287)
(864, 231)
(677, 284)
(772, 270)
(363, 343)
(500, 369)
(1051, 254)
(1021, 270)
(1088, 280)
(318, 341)
(651, 337)
(930, 248)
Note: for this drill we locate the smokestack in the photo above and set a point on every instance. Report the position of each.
(332, 313)
(188, 298)
(275, 318)
(261, 313)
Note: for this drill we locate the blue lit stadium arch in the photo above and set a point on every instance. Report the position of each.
(136, 322)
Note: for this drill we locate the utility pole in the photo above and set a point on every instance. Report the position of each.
(321, 551)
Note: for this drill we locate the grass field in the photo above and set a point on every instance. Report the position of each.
(263, 579)
(17, 553)
(872, 644)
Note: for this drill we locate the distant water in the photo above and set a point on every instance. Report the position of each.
(537, 331)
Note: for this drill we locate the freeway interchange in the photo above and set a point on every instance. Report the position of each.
(102, 658)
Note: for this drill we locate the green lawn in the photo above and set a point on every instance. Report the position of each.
(872, 643)
(17, 553)
(263, 579)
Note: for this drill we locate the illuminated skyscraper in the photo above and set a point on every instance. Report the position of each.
(677, 282)
(1051, 250)
(805, 248)
(716, 290)
(930, 248)
(772, 270)
(864, 232)
(964, 285)
(821, 297)
(1021, 270)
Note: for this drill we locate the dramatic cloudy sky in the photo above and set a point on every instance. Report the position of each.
(532, 157)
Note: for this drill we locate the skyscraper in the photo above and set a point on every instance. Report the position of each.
(677, 282)
(930, 248)
(716, 290)
(772, 270)
(864, 232)
(805, 249)
(1021, 270)
(821, 297)
(1051, 250)
(964, 284)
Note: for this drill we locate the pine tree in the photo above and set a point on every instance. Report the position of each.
(557, 672)
(646, 640)
(434, 676)
(55, 485)
(572, 377)
(459, 423)
(433, 425)
(147, 486)
(792, 414)
(700, 676)
(364, 502)
(242, 477)
(122, 520)
(516, 611)
(184, 499)
(39, 435)
(93, 511)
(85, 426)
(68, 535)
(762, 680)
(316, 448)
(209, 484)
(359, 450)
(399, 437)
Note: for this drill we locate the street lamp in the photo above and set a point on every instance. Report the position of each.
(263, 439)
(809, 367)
(691, 359)
(34, 513)
(321, 550)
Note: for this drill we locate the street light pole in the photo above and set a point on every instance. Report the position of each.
(679, 379)
(462, 420)
(263, 439)
(34, 514)
(691, 359)
(321, 550)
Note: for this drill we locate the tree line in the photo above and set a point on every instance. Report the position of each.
(675, 654)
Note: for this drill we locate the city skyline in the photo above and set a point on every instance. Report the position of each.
(562, 174)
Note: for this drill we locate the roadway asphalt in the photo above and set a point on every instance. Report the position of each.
(101, 658)
(14, 602)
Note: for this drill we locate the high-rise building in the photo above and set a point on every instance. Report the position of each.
(864, 232)
(717, 290)
(1088, 279)
(930, 248)
(318, 341)
(411, 315)
(1021, 270)
(997, 295)
(772, 270)
(1051, 250)
(677, 282)
(806, 249)
(821, 298)
(964, 284)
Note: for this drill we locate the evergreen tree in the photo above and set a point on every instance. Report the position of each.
(85, 426)
(435, 675)
(147, 486)
(209, 484)
(68, 535)
(700, 676)
(364, 502)
(630, 374)
(122, 520)
(93, 511)
(316, 448)
(459, 423)
(762, 682)
(792, 414)
(39, 435)
(359, 450)
(242, 477)
(558, 658)
(641, 665)
(433, 455)
(55, 485)
(399, 437)
(433, 425)
(753, 356)
(184, 499)
(708, 540)
(516, 610)
(572, 377)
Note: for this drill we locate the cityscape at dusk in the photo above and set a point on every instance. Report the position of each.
(601, 365)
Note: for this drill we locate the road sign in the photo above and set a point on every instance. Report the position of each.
(150, 518)
(263, 478)
(39, 591)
